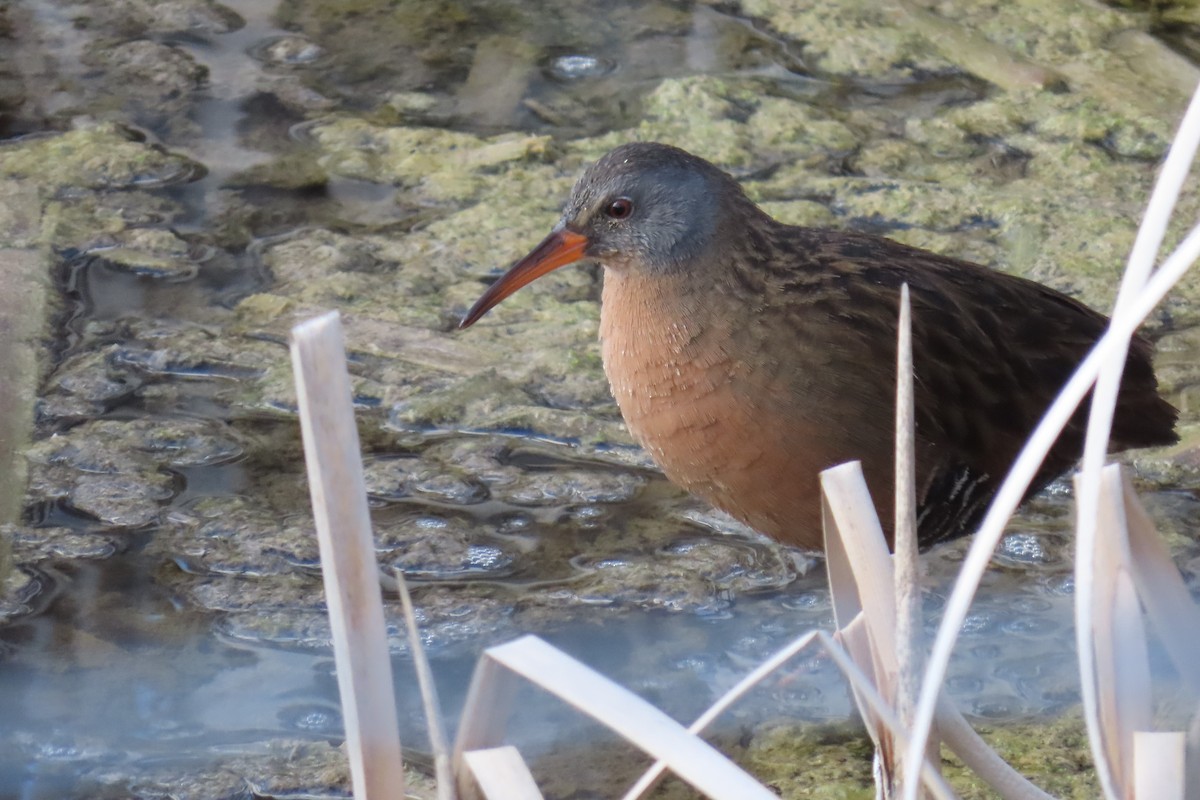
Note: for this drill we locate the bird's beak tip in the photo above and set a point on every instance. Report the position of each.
(560, 248)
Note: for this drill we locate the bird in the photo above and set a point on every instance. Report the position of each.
(747, 355)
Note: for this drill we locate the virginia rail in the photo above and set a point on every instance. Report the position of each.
(747, 355)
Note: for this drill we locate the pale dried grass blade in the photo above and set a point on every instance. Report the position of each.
(981, 758)
(1008, 497)
(861, 582)
(1121, 659)
(499, 773)
(857, 676)
(1159, 763)
(873, 705)
(856, 641)
(956, 731)
(1104, 399)
(877, 711)
(859, 564)
(1100, 616)
(1134, 312)
(1162, 590)
(960, 736)
(1134, 690)
(443, 771)
(351, 574)
(692, 759)
(484, 719)
(648, 779)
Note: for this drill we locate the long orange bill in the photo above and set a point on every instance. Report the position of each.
(556, 250)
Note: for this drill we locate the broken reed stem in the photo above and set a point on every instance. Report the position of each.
(443, 770)
(931, 779)
(348, 566)
(499, 773)
(1162, 590)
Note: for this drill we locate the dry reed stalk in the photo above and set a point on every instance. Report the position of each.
(1136, 304)
(1160, 759)
(861, 584)
(860, 570)
(493, 687)
(499, 773)
(443, 770)
(352, 593)
(905, 561)
(1103, 406)
(1161, 588)
(1119, 656)
(651, 777)
(859, 680)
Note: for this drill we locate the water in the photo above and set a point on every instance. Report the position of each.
(171, 634)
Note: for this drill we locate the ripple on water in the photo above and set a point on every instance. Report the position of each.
(806, 601)
(439, 547)
(964, 685)
(1060, 585)
(573, 487)
(398, 478)
(1032, 626)
(996, 707)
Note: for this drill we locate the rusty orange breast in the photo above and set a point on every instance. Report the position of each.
(690, 399)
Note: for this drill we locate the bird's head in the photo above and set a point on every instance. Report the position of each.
(642, 207)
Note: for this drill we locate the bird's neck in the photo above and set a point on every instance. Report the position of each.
(650, 318)
(665, 348)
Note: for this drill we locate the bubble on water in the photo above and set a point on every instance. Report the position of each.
(977, 624)
(486, 558)
(578, 66)
(1025, 548)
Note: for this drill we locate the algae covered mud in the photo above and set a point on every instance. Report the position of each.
(188, 179)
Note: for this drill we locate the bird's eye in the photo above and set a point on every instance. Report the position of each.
(620, 208)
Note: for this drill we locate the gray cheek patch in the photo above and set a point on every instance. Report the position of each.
(680, 217)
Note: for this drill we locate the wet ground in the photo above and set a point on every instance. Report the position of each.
(200, 177)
